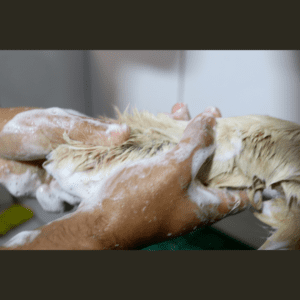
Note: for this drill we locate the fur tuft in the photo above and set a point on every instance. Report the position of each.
(149, 135)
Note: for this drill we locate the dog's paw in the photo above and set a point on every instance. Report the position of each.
(255, 193)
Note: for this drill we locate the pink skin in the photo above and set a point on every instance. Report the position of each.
(214, 111)
(179, 112)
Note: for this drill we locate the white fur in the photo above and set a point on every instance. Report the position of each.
(202, 197)
(267, 208)
(228, 154)
(271, 193)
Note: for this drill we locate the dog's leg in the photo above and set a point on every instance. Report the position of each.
(285, 221)
(144, 202)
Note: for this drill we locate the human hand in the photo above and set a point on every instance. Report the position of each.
(28, 135)
(144, 202)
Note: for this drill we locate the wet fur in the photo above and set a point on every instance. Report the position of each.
(262, 152)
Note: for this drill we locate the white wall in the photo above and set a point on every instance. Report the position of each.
(238, 82)
(42, 79)
(243, 82)
(144, 79)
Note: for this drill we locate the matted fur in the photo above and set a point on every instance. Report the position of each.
(149, 135)
(269, 150)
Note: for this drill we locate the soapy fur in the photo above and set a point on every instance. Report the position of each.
(247, 147)
(254, 153)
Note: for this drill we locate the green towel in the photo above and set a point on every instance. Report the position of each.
(14, 216)
(202, 239)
